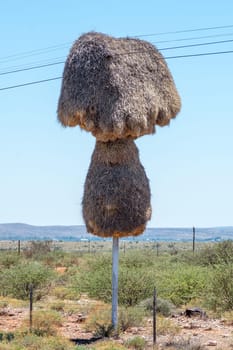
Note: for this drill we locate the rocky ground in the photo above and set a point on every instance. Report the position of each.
(209, 333)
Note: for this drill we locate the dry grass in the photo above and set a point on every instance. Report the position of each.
(114, 95)
(166, 326)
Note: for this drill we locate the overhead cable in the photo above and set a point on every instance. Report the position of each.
(64, 45)
(161, 49)
(169, 57)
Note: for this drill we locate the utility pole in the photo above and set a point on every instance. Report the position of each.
(115, 262)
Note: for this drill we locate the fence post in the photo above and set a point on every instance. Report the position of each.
(194, 238)
(19, 247)
(30, 307)
(154, 316)
(157, 248)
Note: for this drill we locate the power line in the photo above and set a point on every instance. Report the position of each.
(64, 45)
(186, 31)
(30, 83)
(33, 67)
(167, 58)
(29, 64)
(194, 38)
(34, 52)
(200, 54)
(161, 49)
(155, 43)
(195, 45)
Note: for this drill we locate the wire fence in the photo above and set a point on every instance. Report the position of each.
(80, 306)
(92, 247)
(98, 313)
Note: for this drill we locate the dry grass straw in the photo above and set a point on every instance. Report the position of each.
(116, 199)
(116, 88)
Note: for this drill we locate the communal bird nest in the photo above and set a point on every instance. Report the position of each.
(116, 200)
(116, 88)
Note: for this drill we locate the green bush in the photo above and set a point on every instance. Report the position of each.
(220, 292)
(16, 281)
(99, 322)
(34, 342)
(134, 285)
(182, 283)
(137, 343)
(58, 305)
(6, 336)
(135, 282)
(215, 254)
(130, 317)
(8, 259)
(163, 306)
(37, 249)
(45, 323)
(104, 330)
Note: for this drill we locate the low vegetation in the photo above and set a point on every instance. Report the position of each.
(60, 278)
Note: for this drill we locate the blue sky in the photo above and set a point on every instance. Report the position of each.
(189, 164)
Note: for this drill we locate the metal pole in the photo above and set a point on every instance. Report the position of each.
(115, 259)
(154, 315)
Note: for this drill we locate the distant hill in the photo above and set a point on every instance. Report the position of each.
(16, 231)
(30, 232)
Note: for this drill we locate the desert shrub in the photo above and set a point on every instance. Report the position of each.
(215, 254)
(166, 326)
(134, 285)
(104, 330)
(8, 259)
(137, 343)
(37, 249)
(163, 306)
(6, 336)
(224, 252)
(62, 292)
(33, 342)
(12, 302)
(105, 345)
(58, 306)
(185, 344)
(220, 292)
(45, 323)
(56, 343)
(137, 259)
(135, 281)
(183, 283)
(99, 322)
(3, 303)
(130, 317)
(16, 281)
